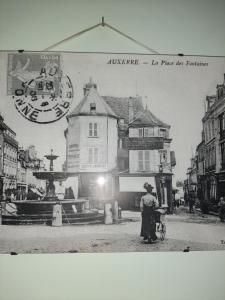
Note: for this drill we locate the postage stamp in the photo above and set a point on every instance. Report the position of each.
(41, 92)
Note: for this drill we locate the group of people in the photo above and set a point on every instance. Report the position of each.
(222, 209)
(148, 205)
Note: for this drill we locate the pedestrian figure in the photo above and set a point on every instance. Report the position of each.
(12, 197)
(147, 205)
(191, 201)
(185, 199)
(222, 209)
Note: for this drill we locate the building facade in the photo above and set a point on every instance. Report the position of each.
(114, 145)
(10, 152)
(2, 129)
(147, 143)
(91, 145)
(28, 162)
(210, 152)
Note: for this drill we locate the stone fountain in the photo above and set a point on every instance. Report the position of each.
(43, 210)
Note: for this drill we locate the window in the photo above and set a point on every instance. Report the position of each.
(162, 133)
(93, 155)
(223, 155)
(148, 132)
(140, 161)
(222, 122)
(206, 133)
(144, 160)
(93, 132)
(163, 156)
(147, 160)
(93, 107)
(140, 132)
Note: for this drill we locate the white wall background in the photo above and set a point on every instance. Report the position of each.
(174, 26)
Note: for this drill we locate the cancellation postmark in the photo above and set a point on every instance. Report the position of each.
(41, 92)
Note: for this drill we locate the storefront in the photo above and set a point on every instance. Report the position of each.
(131, 189)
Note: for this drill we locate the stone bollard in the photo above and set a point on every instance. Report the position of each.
(57, 215)
(108, 213)
(2, 211)
(115, 211)
(120, 212)
(86, 205)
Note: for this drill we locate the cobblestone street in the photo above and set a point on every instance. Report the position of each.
(197, 231)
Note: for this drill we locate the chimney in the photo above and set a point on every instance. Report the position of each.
(131, 110)
(88, 86)
(210, 101)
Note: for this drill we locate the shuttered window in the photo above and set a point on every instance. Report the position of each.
(140, 161)
(148, 160)
(93, 155)
(93, 129)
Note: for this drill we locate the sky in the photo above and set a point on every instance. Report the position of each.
(173, 90)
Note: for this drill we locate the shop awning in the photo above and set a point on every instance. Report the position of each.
(135, 183)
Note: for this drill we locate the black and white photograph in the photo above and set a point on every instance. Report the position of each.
(111, 152)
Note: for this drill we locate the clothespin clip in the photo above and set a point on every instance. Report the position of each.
(180, 54)
(20, 50)
(103, 21)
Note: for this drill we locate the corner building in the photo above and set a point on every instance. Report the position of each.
(91, 145)
(114, 145)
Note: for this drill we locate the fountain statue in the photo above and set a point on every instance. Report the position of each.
(40, 211)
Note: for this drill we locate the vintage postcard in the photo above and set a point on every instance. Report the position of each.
(112, 152)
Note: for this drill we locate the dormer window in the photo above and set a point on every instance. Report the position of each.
(93, 107)
(163, 133)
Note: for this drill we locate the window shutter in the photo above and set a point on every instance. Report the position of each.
(95, 129)
(140, 132)
(95, 155)
(140, 160)
(147, 160)
(90, 155)
(146, 134)
(90, 129)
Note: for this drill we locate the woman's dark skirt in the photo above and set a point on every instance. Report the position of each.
(148, 225)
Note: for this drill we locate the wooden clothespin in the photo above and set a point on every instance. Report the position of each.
(103, 21)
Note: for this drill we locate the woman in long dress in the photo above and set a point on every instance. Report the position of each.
(147, 205)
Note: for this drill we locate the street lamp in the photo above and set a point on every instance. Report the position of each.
(161, 184)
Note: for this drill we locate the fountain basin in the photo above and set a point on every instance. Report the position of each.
(41, 212)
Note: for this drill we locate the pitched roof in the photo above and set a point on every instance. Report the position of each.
(116, 107)
(146, 118)
(120, 105)
(92, 96)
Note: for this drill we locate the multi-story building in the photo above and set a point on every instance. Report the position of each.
(210, 152)
(114, 145)
(192, 176)
(91, 144)
(28, 162)
(2, 129)
(147, 144)
(10, 149)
